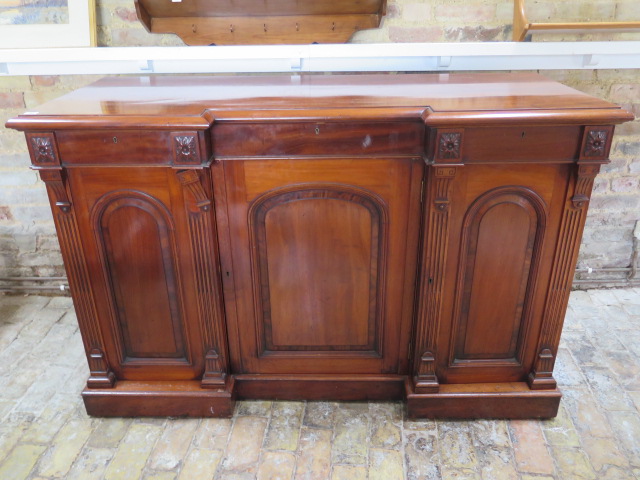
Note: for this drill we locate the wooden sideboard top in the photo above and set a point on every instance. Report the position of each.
(169, 102)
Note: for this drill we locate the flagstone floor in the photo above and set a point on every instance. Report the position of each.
(46, 434)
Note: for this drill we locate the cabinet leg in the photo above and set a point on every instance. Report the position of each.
(213, 376)
(426, 381)
(100, 375)
(541, 377)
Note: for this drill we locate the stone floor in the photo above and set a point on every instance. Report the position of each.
(45, 433)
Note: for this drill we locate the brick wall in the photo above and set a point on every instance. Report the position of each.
(28, 246)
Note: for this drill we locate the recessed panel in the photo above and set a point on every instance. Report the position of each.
(499, 243)
(137, 246)
(318, 255)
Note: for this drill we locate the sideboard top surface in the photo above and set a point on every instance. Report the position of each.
(197, 101)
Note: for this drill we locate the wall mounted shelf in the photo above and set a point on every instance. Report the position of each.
(250, 22)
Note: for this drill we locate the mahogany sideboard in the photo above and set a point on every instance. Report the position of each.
(342, 237)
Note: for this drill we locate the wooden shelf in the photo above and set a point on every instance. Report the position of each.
(521, 26)
(250, 22)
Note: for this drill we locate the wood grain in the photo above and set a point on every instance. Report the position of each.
(327, 237)
(319, 258)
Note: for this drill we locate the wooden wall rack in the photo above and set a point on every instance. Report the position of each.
(521, 26)
(250, 22)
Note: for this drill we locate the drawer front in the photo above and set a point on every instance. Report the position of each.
(318, 139)
(555, 144)
(131, 147)
(114, 147)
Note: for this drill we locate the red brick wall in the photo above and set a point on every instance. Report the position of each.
(27, 238)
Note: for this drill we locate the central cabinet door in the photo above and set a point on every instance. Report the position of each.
(319, 262)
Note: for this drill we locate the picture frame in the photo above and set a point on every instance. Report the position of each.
(80, 31)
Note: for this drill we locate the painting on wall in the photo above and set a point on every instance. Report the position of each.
(47, 23)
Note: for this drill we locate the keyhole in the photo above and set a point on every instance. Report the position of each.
(522, 134)
(115, 139)
(317, 130)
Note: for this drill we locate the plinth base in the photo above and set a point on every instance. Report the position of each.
(160, 399)
(483, 400)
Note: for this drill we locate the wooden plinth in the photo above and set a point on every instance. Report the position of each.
(153, 399)
(483, 400)
(176, 399)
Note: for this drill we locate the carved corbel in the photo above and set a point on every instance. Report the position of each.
(584, 183)
(54, 181)
(190, 179)
(198, 205)
(444, 176)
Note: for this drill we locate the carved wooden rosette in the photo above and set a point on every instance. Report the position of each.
(449, 145)
(43, 149)
(434, 248)
(101, 375)
(199, 209)
(187, 149)
(595, 149)
(596, 142)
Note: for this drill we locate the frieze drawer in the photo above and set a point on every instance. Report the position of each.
(131, 147)
(318, 138)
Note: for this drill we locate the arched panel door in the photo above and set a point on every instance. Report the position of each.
(321, 273)
(136, 241)
(500, 252)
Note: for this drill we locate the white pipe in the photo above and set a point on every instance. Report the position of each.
(323, 58)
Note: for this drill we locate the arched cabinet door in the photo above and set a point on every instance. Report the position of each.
(501, 229)
(133, 227)
(320, 263)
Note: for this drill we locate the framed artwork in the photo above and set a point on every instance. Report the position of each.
(47, 23)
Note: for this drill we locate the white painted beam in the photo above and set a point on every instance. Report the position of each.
(321, 58)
